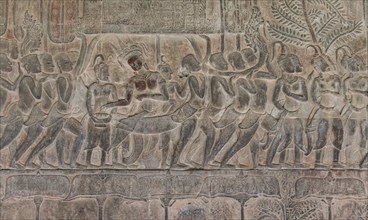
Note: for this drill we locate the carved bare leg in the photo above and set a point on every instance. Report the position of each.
(60, 144)
(209, 130)
(49, 137)
(338, 133)
(245, 137)
(105, 143)
(76, 128)
(137, 150)
(273, 149)
(298, 141)
(186, 132)
(11, 131)
(92, 140)
(33, 133)
(286, 141)
(225, 134)
(165, 141)
(321, 140)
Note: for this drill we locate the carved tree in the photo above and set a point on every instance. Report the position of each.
(322, 22)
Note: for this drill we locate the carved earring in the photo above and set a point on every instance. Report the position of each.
(26, 68)
(59, 68)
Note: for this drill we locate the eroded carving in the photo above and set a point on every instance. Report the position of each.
(245, 95)
(176, 93)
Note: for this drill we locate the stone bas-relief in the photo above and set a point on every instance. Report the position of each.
(248, 100)
(192, 114)
(288, 194)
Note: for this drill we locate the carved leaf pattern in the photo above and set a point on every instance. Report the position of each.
(332, 6)
(288, 19)
(325, 23)
(314, 14)
(341, 35)
(288, 35)
(327, 19)
(294, 6)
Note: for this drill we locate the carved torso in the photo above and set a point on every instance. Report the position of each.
(27, 98)
(102, 94)
(146, 83)
(330, 91)
(357, 90)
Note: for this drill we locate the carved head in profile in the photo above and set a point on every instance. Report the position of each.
(63, 62)
(350, 61)
(218, 61)
(190, 64)
(354, 64)
(165, 68)
(101, 68)
(320, 64)
(31, 63)
(132, 57)
(47, 63)
(5, 63)
(290, 63)
(236, 60)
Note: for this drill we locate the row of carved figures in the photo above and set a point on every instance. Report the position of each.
(266, 105)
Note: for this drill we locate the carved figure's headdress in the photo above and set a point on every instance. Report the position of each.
(32, 40)
(129, 52)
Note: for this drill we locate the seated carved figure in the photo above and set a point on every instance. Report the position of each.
(144, 86)
(145, 93)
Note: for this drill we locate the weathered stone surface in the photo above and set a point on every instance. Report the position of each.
(76, 209)
(183, 109)
(202, 208)
(118, 208)
(17, 209)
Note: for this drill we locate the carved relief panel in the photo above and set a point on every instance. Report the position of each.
(184, 109)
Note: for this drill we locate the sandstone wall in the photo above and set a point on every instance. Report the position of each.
(183, 109)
